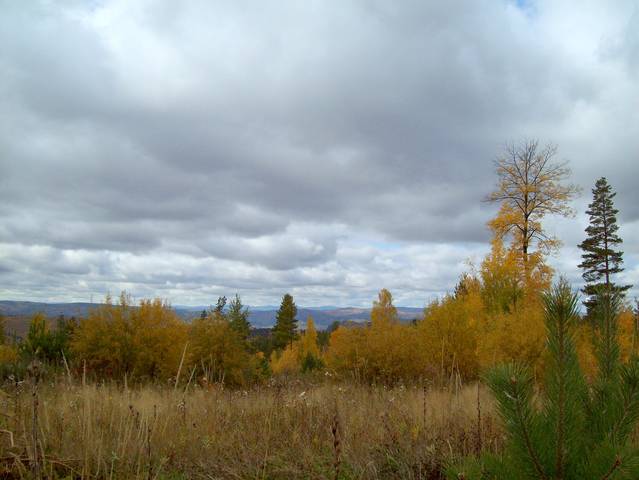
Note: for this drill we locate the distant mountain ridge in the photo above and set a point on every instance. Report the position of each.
(260, 317)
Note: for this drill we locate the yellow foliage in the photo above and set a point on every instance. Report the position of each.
(345, 353)
(292, 358)
(507, 284)
(628, 331)
(517, 336)
(286, 361)
(392, 352)
(386, 350)
(217, 351)
(8, 354)
(449, 333)
(585, 349)
(308, 341)
(493, 318)
(530, 186)
(502, 288)
(383, 311)
(145, 341)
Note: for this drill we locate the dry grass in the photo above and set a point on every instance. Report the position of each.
(293, 431)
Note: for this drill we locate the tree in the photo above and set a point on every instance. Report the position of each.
(501, 289)
(600, 259)
(383, 311)
(65, 328)
(530, 186)
(303, 355)
(323, 336)
(218, 353)
(122, 339)
(309, 349)
(285, 329)
(39, 340)
(219, 307)
(2, 329)
(570, 430)
(237, 316)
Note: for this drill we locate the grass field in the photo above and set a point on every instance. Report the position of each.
(292, 430)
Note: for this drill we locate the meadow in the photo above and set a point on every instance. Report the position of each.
(284, 429)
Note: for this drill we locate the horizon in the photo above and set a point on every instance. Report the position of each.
(196, 307)
(194, 150)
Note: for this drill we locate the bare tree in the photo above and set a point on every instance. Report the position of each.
(530, 186)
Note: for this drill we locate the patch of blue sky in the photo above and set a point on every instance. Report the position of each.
(526, 6)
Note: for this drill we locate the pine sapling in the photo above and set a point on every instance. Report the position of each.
(573, 430)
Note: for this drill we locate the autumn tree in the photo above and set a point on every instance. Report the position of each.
(285, 329)
(309, 348)
(238, 316)
(531, 185)
(303, 355)
(385, 350)
(120, 339)
(323, 336)
(217, 352)
(383, 310)
(449, 333)
(2, 329)
(601, 259)
(501, 288)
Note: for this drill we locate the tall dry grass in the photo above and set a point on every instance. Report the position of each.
(292, 430)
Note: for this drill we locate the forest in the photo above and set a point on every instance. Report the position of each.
(512, 374)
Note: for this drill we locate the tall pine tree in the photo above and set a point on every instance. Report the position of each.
(600, 258)
(285, 329)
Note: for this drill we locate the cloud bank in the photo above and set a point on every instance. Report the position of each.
(193, 149)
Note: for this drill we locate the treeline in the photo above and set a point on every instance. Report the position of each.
(495, 313)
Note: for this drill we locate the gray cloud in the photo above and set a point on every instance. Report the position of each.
(189, 150)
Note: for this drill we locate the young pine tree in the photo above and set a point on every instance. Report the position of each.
(601, 259)
(285, 329)
(238, 317)
(573, 431)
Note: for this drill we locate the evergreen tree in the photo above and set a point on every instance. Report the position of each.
(40, 341)
(285, 329)
(600, 258)
(572, 430)
(218, 311)
(63, 334)
(238, 317)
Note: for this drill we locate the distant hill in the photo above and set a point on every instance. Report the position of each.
(260, 317)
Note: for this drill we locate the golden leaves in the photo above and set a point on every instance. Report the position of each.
(530, 186)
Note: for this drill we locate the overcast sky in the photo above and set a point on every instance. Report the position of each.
(327, 149)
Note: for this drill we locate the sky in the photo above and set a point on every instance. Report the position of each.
(187, 150)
